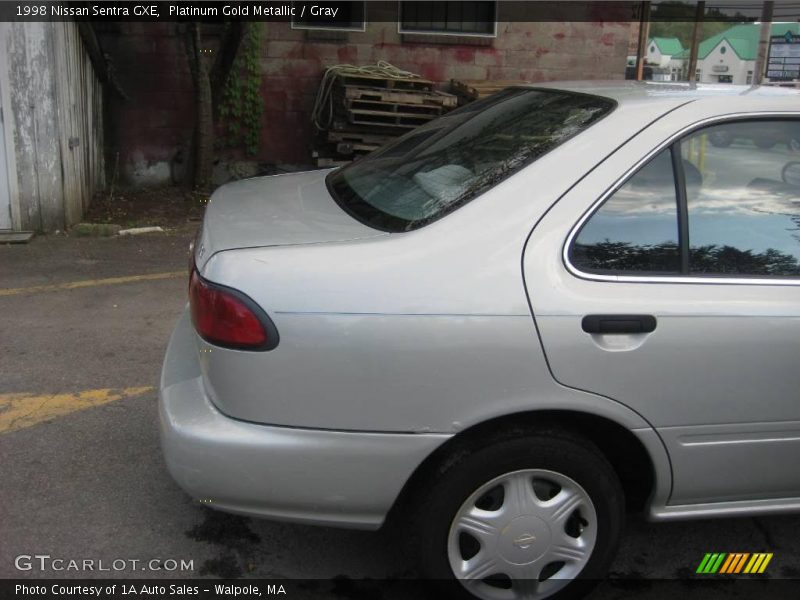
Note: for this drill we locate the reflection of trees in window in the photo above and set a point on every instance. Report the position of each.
(729, 260)
(621, 257)
(625, 256)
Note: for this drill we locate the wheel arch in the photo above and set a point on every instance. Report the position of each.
(628, 454)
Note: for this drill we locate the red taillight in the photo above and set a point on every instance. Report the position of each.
(224, 319)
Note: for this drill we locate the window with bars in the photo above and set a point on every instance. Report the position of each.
(476, 18)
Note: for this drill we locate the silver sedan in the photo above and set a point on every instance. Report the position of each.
(506, 329)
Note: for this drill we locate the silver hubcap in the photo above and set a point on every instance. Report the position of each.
(523, 535)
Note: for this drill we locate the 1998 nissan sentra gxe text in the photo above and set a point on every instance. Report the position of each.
(507, 328)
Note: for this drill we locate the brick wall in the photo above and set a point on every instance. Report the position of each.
(153, 70)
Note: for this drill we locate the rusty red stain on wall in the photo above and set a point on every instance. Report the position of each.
(465, 55)
(347, 54)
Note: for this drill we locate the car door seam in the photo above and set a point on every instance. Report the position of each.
(530, 303)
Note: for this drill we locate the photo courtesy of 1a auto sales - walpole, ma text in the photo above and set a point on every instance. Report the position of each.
(400, 299)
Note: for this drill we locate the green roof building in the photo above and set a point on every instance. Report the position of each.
(730, 56)
(664, 46)
(661, 52)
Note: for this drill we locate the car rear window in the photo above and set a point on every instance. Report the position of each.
(440, 166)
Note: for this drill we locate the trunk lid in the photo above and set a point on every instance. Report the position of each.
(280, 210)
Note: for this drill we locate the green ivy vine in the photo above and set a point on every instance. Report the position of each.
(242, 106)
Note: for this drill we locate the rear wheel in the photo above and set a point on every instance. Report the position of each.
(532, 517)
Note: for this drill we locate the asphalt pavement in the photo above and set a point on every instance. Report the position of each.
(82, 477)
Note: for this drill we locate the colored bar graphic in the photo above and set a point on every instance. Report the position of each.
(717, 563)
(704, 564)
(732, 559)
(733, 563)
(759, 562)
(764, 564)
(711, 563)
(742, 560)
(753, 564)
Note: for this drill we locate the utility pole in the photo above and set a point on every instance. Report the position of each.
(763, 42)
(696, 34)
(644, 34)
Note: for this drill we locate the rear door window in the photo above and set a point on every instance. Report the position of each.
(723, 201)
(743, 199)
(636, 229)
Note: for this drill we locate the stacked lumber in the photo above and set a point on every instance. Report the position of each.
(368, 110)
(467, 91)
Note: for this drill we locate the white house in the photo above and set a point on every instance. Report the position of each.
(730, 56)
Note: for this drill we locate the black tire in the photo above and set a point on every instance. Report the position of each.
(466, 471)
(764, 143)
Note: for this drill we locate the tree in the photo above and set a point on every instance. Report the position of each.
(676, 19)
(210, 71)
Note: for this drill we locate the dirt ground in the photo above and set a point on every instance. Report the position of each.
(172, 208)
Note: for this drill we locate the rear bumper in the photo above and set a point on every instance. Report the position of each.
(348, 479)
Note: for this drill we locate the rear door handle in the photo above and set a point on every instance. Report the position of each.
(618, 324)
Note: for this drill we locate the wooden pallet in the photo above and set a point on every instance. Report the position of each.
(386, 118)
(475, 90)
(370, 111)
(375, 94)
(386, 82)
(350, 148)
(394, 107)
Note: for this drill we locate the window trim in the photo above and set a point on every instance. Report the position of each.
(402, 31)
(682, 204)
(362, 29)
(704, 279)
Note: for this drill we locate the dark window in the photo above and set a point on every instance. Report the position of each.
(744, 212)
(636, 228)
(463, 18)
(443, 164)
(350, 16)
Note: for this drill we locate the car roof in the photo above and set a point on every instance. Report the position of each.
(634, 92)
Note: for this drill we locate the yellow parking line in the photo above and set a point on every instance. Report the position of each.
(21, 410)
(71, 285)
